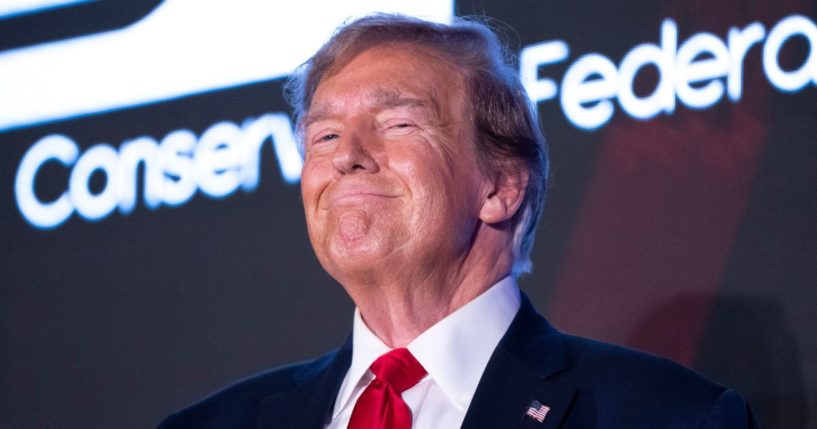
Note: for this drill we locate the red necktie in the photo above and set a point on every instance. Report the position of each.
(380, 406)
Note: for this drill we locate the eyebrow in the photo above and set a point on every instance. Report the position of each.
(319, 112)
(382, 99)
(385, 98)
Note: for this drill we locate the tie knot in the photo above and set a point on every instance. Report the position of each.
(399, 369)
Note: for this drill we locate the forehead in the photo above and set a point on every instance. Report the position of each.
(391, 75)
(382, 97)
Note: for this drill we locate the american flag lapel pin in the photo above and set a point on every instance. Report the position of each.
(537, 411)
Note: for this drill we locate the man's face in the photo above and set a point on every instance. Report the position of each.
(390, 179)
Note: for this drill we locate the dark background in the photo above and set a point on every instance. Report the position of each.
(691, 235)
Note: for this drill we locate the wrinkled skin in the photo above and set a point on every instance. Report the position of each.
(397, 207)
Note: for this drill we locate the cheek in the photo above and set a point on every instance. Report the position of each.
(423, 159)
(446, 193)
(432, 207)
(424, 177)
(313, 181)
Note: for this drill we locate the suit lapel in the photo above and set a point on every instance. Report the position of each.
(309, 405)
(518, 373)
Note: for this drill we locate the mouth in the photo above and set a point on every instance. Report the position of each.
(358, 198)
(355, 191)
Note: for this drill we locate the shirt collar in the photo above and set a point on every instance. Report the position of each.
(455, 351)
(366, 348)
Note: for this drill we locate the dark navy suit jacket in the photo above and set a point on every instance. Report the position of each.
(586, 384)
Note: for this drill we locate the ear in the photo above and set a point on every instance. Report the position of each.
(505, 195)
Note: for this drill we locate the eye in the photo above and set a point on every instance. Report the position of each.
(327, 137)
(399, 127)
(323, 137)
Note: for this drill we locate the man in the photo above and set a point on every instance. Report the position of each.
(424, 177)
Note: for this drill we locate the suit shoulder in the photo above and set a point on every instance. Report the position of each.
(637, 389)
(631, 369)
(236, 405)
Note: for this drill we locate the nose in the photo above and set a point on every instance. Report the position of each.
(353, 154)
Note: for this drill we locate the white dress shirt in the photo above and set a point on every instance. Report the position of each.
(455, 352)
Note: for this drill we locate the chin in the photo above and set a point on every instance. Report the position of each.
(352, 259)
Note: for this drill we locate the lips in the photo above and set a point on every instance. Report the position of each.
(356, 194)
(358, 197)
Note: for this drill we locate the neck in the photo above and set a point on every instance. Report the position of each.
(398, 308)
